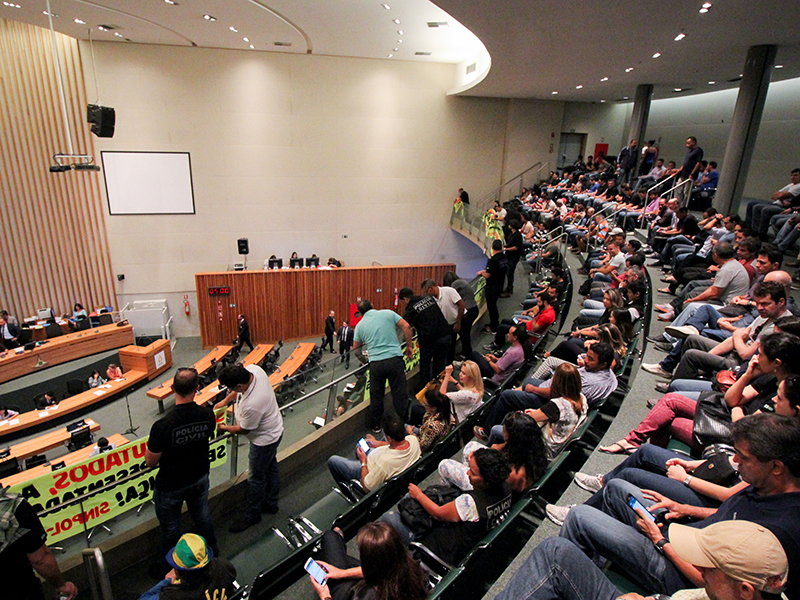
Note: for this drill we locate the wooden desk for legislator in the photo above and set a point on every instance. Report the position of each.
(291, 365)
(153, 359)
(63, 349)
(256, 355)
(71, 404)
(69, 459)
(46, 442)
(164, 391)
(291, 304)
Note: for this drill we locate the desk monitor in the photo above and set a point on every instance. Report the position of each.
(312, 261)
(295, 263)
(9, 467)
(76, 425)
(275, 263)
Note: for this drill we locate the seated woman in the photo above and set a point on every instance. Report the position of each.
(469, 395)
(386, 570)
(78, 312)
(7, 413)
(612, 299)
(673, 414)
(520, 439)
(460, 524)
(498, 368)
(575, 345)
(436, 422)
(564, 412)
(113, 372)
(606, 333)
(95, 380)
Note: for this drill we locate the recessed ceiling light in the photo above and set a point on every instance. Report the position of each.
(209, 18)
(399, 32)
(390, 56)
(386, 6)
(604, 79)
(118, 34)
(396, 21)
(776, 66)
(578, 87)
(101, 28)
(11, 5)
(677, 89)
(679, 37)
(47, 14)
(554, 93)
(251, 45)
(657, 54)
(703, 11)
(741, 75)
(246, 39)
(395, 49)
(399, 41)
(706, 4)
(601, 101)
(78, 21)
(711, 82)
(629, 69)
(624, 97)
(171, 2)
(233, 29)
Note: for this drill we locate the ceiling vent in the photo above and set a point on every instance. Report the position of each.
(286, 44)
(108, 27)
(471, 68)
(437, 24)
(422, 53)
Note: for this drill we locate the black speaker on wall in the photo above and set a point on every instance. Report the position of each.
(244, 246)
(102, 119)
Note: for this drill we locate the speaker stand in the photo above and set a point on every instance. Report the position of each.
(131, 430)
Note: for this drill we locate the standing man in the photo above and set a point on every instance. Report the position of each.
(244, 335)
(345, 337)
(23, 549)
(433, 332)
(377, 330)
(513, 250)
(453, 308)
(471, 311)
(179, 447)
(259, 419)
(494, 273)
(627, 161)
(330, 329)
(691, 165)
(463, 196)
(9, 333)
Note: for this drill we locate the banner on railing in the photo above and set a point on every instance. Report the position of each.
(50, 490)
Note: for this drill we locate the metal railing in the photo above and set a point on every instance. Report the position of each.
(99, 581)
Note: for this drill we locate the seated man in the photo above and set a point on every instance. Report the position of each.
(386, 460)
(759, 213)
(498, 368)
(536, 320)
(735, 560)
(597, 383)
(768, 457)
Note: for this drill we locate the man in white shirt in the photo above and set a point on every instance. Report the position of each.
(759, 212)
(656, 173)
(259, 419)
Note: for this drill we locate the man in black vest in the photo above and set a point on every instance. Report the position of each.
(433, 331)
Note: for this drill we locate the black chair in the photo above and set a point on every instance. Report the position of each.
(8, 467)
(53, 330)
(35, 461)
(25, 336)
(80, 438)
(82, 324)
(75, 387)
(106, 319)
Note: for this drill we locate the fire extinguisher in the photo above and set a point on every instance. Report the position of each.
(186, 304)
(396, 298)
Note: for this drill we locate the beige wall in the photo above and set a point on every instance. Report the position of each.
(605, 123)
(295, 152)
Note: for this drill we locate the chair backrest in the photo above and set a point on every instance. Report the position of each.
(25, 336)
(75, 386)
(105, 319)
(9, 466)
(53, 330)
(80, 438)
(83, 323)
(35, 461)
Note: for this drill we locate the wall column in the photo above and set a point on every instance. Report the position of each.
(639, 116)
(744, 127)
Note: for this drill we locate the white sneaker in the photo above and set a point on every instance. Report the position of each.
(656, 369)
(683, 332)
(590, 483)
(557, 514)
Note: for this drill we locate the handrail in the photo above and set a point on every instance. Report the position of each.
(104, 592)
(484, 200)
(686, 182)
(304, 397)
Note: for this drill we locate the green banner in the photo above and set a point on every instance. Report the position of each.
(57, 487)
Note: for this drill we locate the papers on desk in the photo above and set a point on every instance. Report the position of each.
(54, 407)
(99, 392)
(120, 379)
(43, 414)
(14, 422)
(105, 385)
(3, 422)
(19, 350)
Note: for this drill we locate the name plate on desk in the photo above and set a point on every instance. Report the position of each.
(161, 359)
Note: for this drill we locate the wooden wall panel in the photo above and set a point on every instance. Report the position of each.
(54, 245)
(291, 304)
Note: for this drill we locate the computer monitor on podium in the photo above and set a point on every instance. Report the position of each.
(275, 263)
(295, 263)
(312, 261)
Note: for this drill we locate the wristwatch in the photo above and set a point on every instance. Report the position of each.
(660, 545)
(687, 480)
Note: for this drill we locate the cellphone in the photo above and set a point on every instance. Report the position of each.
(313, 568)
(634, 504)
(362, 443)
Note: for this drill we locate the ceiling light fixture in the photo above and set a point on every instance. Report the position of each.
(624, 97)
(253, 47)
(706, 4)
(778, 66)
(677, 89)
(554, 93)
(657, 54)
(399, 41)
(101, 28)
(78, 21)
(601, 101)
(11, 5)
(396, 21)
(399, 32)
(49, 14)
(209, 18)
(246, 39)
(118, 34)
(680, 36)
(711, 82)
(629, 69)
(390, 56)
(703, 11)
(171, 2)
(395, 49)
(233, 29)
(578, 87)
(604, 79)
(386, 6)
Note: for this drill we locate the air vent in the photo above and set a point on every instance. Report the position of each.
(681, 90)
(108, 27)
(437, 23)
(471, 68)
(422, 53)
(286, 44)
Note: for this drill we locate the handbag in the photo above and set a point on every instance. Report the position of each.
(712, 420)
(725, 379)
(416, 517)
(717, 467)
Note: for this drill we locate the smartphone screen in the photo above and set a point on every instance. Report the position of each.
(362, 443)
(634, 504)
(317, 572)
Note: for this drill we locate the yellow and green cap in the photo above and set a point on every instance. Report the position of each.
(190, 553)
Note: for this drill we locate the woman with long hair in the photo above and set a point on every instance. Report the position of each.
(469, 394)
(386, 572)
(435, 422)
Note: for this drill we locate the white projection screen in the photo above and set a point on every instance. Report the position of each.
(148, 183)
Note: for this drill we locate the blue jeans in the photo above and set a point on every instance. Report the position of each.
(558, 569)
(496, 436)
(510, 400)
(264, 483)
(689, 385)
(168, 511)
(344, 469)
(394, 519)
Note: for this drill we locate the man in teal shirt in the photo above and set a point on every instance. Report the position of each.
(377, 330)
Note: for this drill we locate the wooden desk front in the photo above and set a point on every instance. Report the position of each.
(72, 404)
(64, 349)
(46, 442)
(69, 459)
(164, 390)
(291, 365)
(153, 359)
(256, 355)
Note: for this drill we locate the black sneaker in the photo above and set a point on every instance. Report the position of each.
(243, 523)
(657, 338)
